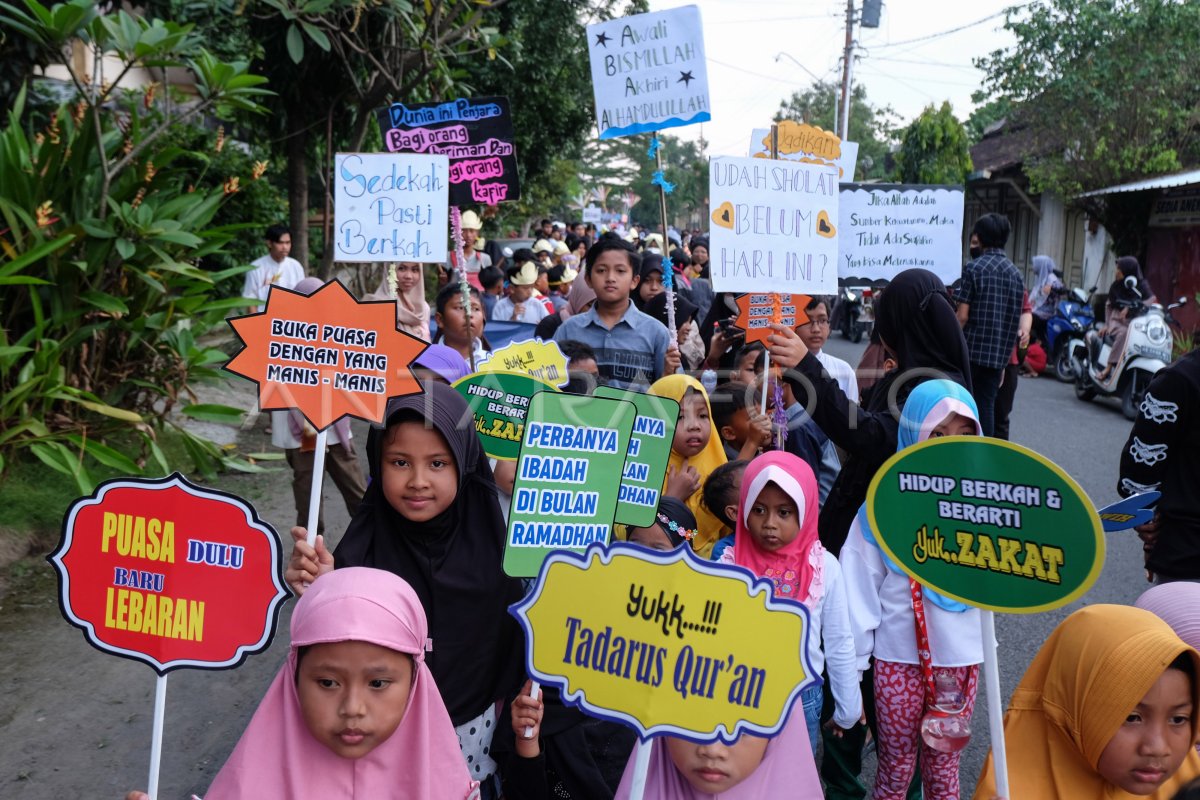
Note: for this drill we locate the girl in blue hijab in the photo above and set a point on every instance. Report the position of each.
(882, 616)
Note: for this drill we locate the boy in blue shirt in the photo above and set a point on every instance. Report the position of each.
(632, 349)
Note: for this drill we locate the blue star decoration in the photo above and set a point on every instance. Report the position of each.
(602, 39)
(686, 78)
(652, 150)
(658, 180)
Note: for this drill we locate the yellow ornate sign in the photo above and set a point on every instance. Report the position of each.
(666, 643)
(538, 359)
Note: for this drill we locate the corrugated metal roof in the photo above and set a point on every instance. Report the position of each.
(1161, 182)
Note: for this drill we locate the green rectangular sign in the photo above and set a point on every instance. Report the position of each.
(649, 452)
(568, 477)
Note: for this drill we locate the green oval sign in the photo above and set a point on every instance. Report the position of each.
(499, 402)
(987, 522)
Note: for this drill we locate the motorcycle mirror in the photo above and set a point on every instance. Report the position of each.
(1182, 300)
(1131, 283)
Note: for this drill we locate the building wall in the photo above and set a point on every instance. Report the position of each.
(1063, 240)
(1173, 269)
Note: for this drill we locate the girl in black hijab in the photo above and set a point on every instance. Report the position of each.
(431, 516)
(917, 326)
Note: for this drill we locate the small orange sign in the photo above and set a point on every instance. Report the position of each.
(327, 355)
(757, 311)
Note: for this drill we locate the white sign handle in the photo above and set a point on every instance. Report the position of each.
(314, 493)
(640, 766)
(156, 737)
(991, 674)
(534, 691)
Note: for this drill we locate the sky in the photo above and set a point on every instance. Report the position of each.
(748, 78)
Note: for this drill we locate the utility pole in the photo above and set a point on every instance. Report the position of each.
(847, 63)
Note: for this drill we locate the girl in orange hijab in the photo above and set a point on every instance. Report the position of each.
(695, 452)
(1106, 711)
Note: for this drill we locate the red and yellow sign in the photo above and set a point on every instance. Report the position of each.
(756, 312)
(326, 354)
(165, 572)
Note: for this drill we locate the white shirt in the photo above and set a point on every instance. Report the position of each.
(281, 433)
(841, 372)
(534, 311)
(473, 262)
(830, 622)
(267, 272)
(881, 613)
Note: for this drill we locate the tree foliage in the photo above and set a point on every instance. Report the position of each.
(872, 127)
(103, 224)
(934, 149)
(1110, 88)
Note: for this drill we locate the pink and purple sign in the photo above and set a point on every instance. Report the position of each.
(475, 133)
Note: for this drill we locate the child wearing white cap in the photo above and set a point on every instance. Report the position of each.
(520, 306)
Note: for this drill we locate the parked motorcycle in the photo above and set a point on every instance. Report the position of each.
(1072, 319)
(855, 314)
(1147, 350)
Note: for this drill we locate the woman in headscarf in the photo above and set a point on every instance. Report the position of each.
(1043, 295)
(408, 290)
(1106, 711)
(1121, 299)
(288, 750)
(917, 326)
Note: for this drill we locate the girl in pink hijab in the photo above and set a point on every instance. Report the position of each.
(752, 768)
(354, 712)
(776, 538)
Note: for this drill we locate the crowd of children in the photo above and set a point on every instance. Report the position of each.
(406, 675)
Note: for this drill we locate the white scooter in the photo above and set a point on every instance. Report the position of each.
(1147, 350)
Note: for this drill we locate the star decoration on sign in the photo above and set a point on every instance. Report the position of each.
(602, 39)
(686, 78)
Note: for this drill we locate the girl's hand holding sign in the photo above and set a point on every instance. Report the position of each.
(307, 562)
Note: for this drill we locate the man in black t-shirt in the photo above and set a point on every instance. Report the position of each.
(1163, 454)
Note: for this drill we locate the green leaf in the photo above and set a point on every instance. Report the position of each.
(213, 412)
(106, 455)
(126, 248)
(108, 411)
(41, 251)
(295, 44)
(316, 34)
(23, 280)
(104, 302)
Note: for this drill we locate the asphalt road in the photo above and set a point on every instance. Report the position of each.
(76, 723)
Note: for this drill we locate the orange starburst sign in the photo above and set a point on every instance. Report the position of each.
(756, 312)
(327, 355)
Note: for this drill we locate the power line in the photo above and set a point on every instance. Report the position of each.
(924, 62)
(757, 20)
(755, 74)
(943, 33)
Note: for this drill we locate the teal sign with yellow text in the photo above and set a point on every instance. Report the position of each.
(499, 402)
(987, 522)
